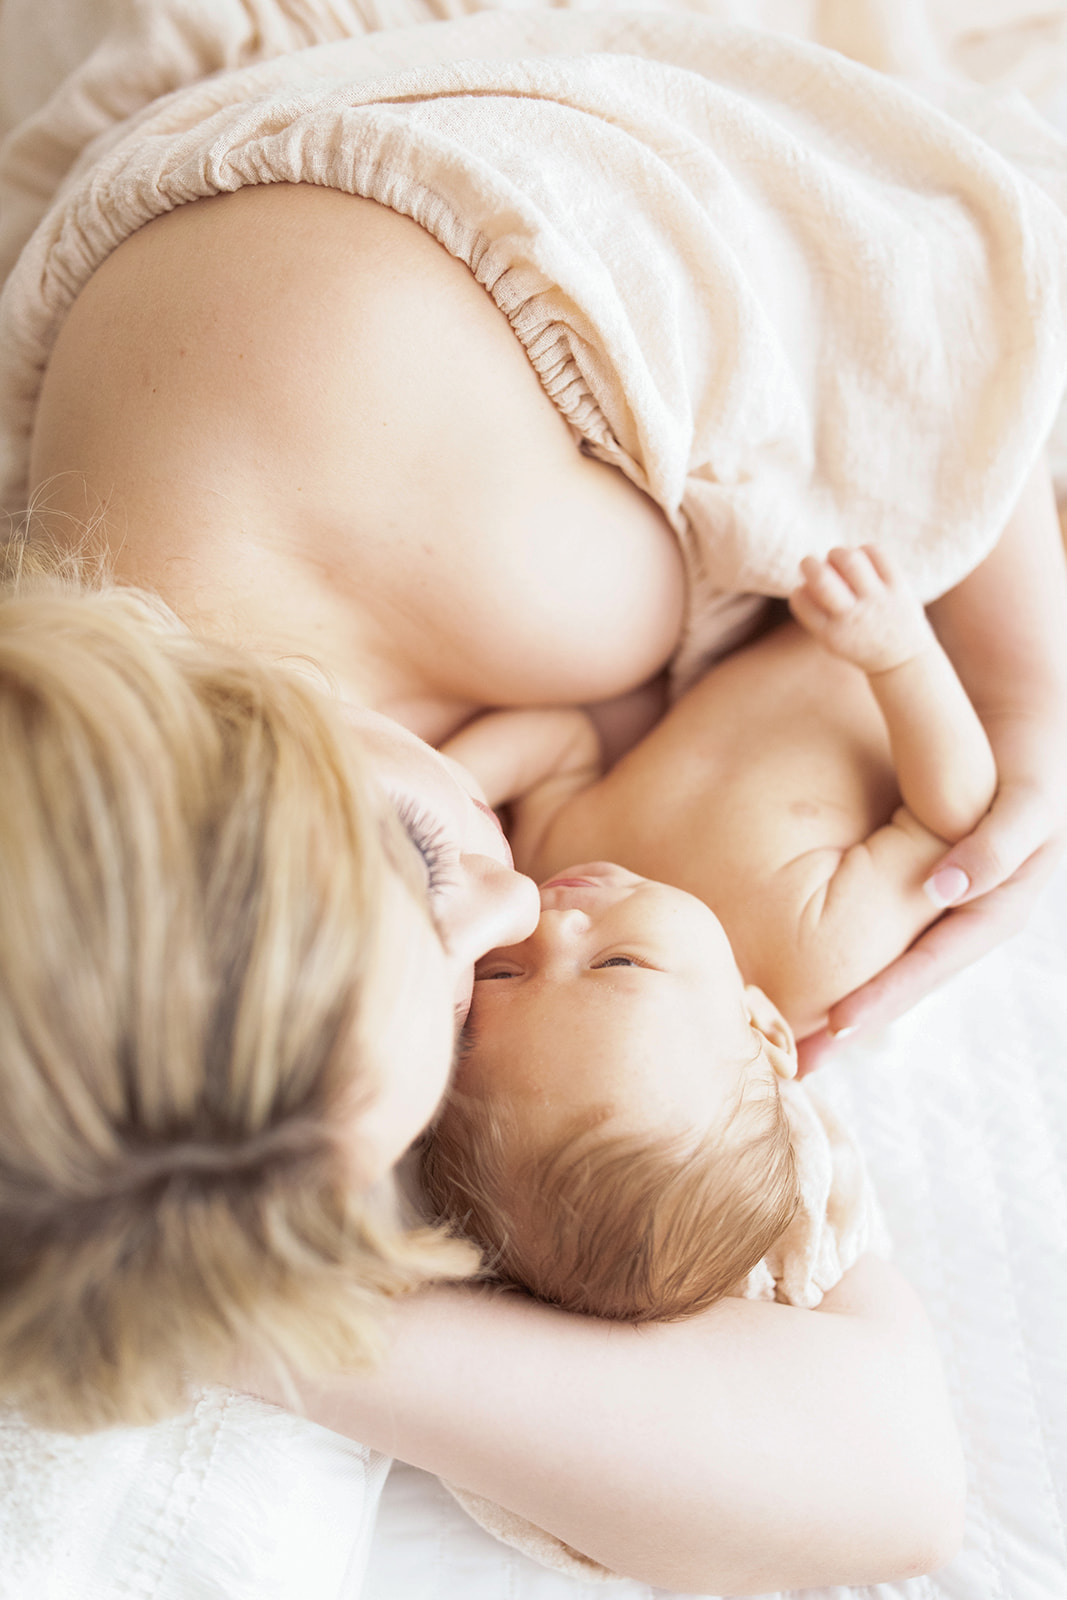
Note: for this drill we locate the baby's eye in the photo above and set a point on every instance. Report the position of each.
(619, 961)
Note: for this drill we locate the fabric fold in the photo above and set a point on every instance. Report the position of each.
(753, 275)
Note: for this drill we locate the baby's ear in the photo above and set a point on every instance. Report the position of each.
(779, 1045)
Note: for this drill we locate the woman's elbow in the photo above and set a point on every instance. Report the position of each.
(940, 1504)
(924, 1492)
(933, 1533)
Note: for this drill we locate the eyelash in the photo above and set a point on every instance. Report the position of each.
(611, 961)
(428, 837)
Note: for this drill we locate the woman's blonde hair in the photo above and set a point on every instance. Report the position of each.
(635, 1227)
(191, 871)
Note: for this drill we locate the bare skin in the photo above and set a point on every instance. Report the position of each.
(1003, 628)
(311, 431)
(772, 789)
(753, 1419)
(318, 436)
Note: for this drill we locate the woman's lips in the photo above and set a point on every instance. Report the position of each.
(497, 824)
(587, 887)
(592, 875)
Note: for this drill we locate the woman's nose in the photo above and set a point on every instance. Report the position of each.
(495, 906)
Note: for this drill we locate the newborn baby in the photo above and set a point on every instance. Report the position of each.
(770, 843)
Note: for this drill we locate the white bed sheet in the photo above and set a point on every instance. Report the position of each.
(961, 1108)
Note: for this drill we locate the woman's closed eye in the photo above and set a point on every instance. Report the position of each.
(431, 841)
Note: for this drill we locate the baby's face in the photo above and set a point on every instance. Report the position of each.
(626, 995)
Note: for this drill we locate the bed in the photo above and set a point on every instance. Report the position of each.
(961, 1108)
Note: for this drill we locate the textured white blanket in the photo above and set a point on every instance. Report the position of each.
(235, 1501)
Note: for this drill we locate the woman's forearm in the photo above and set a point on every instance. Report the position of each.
(1005, 624)
(752, 1448)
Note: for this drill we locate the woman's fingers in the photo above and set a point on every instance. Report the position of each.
(960, 937)
(813, 1051)
(1017, 826)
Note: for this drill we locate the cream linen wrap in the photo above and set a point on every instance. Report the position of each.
(797, 303)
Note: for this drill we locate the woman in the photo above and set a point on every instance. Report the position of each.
(232, 363)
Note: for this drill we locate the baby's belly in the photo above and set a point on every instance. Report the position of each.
(300, 395)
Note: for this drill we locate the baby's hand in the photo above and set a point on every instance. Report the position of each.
(859, 607)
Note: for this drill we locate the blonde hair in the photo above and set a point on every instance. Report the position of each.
(191, 872)
(634, 1227)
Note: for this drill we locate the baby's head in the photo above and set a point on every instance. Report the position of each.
(615, 1139)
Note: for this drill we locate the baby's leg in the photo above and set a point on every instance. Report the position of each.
(860, 607)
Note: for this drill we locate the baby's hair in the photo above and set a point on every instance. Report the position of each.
(191, 873)
(634, 1227)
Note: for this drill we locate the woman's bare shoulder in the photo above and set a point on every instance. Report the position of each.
(301, 381)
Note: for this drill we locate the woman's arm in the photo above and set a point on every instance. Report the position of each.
(1005, 629)
(751, 1448)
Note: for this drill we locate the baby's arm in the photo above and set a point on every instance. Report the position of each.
(858, 606)
(532, 761)
(862, 906)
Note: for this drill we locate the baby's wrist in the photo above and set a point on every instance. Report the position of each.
(919, 656)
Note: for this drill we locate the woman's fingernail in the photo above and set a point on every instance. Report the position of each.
(947, 886)
(842, 1033)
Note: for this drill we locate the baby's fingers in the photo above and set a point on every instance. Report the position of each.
(861, 569)
(824, 587)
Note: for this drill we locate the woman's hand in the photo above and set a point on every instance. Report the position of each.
(1005, 628)
(998, 871)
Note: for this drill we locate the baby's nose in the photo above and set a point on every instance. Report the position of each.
(561, 929)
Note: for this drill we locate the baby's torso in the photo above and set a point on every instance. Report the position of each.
(747, 795)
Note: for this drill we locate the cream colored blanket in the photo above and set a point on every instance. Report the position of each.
(791, 299)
